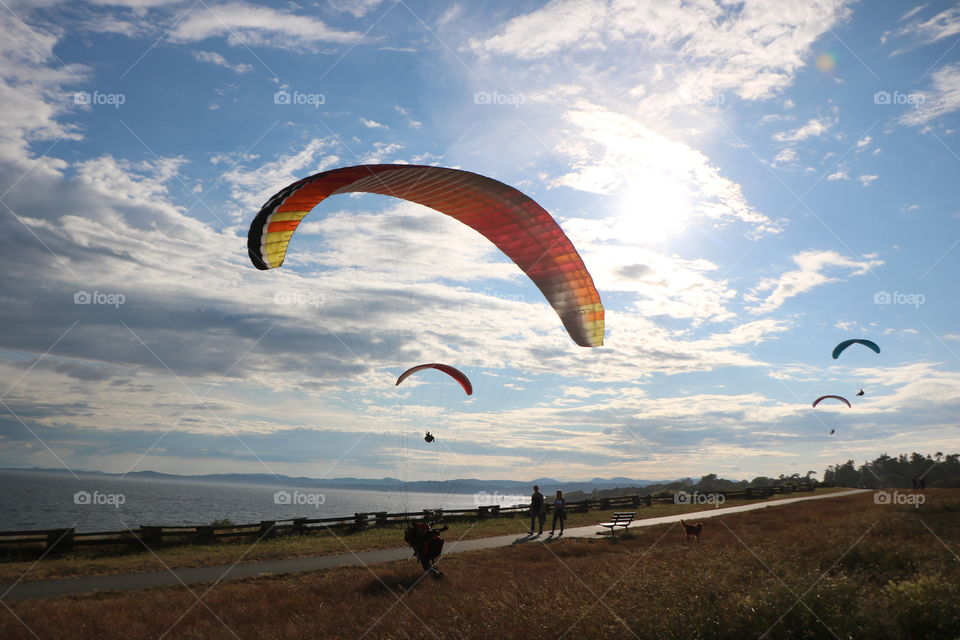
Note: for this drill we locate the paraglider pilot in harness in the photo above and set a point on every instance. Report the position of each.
(429, 437)
(427, 545)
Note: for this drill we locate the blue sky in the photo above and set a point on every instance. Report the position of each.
(748, 184)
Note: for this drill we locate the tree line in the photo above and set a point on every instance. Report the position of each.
(707, 483)
(887, 472)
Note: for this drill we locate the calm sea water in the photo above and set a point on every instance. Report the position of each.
(48, 501)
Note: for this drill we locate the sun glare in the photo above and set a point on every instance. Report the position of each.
(652, 210)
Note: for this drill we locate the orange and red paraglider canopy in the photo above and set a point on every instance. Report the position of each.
(517, 225)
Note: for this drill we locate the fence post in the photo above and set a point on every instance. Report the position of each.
(299, 525)
(604, 504)
(495, 511)
(649, 500)
(60, 539)
(381, 517)
(483, 512)
(204, 533)
(267, 529)
(151, 534)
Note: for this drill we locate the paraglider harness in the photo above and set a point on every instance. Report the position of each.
(426, 543)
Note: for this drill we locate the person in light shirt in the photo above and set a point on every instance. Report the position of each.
(559, 512)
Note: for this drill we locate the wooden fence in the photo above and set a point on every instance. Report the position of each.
(153, 535)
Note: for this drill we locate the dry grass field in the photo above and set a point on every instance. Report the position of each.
(93, 561)
(839, 568)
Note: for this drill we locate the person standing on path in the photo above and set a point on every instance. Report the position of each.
(559, 512)
(536, 509)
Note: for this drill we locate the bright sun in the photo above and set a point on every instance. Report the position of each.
(652, 208)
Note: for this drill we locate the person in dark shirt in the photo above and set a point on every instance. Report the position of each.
(537, 511)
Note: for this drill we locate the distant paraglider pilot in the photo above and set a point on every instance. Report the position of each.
(860, 393)
(427, 545)
(429, 437)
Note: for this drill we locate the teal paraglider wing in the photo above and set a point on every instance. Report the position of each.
(837, 350)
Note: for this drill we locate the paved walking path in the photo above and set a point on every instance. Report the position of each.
(124, 582)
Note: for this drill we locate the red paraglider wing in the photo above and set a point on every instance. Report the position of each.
(517, 225)
(840, 398)
(456, 374)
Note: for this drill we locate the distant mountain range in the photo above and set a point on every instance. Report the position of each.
(547, 485)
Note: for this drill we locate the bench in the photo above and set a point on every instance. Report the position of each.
(620, 519)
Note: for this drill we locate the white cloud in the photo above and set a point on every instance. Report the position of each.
(115, 24)
(371, 124)
(557, 26)
(863, 142)
(912, 12)
(785, 157)
(945, 24)
(381, 152)
(811, 274)
(411, 122)
(839, 174)
(32, 94)
(134, 4)
(941, 99)
(217, 59)
(753, 52)
(251, 188)
(867, 179)
(814, 127)
(356, 8)
(245, 24)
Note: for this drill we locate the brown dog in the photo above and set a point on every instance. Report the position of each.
(692, 529)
